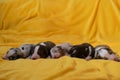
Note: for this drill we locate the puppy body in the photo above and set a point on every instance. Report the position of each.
(60, 50)
(84, 50)
(105, 52)
(27, 50)
(13, 54)
(42, 50)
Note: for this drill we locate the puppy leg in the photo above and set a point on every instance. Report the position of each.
(88, 58)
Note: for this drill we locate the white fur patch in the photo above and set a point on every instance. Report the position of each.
(74, 51)
(103, 53)
(11, 52)
(90, 50)
(43, 44)
(35, 54)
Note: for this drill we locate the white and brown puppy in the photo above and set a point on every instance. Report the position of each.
(42, 50)
(105, 52)
(85, 51)
(13, 54)
(27, 50)
(60, 50)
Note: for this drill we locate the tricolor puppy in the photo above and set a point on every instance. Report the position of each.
(13, 54)
(60, 50)
(42, 50)
(84, 50)
(105, 52)
(27, 50)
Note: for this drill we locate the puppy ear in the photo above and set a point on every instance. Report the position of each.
(32, 49)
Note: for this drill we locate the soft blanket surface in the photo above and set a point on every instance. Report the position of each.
(73, 21)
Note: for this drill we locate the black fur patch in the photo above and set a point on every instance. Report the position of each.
(82, 50)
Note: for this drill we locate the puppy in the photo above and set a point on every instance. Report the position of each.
(84, 50)
(105, 52)
(27, 50)
(42, 50)
(13, 54)
(60, 50)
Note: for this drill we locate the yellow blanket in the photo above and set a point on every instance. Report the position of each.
(74, 21)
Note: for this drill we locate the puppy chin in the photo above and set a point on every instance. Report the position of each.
(34, 57)
(56, 56)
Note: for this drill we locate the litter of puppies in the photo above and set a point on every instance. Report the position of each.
(49, 49)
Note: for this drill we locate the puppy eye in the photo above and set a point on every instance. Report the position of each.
(22, 48)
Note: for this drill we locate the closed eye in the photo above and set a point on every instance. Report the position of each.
(22, 48)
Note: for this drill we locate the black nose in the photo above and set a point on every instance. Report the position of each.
(34, 58)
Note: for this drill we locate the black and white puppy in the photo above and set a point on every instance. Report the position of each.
(84, 50)
(13, 54)
(105, 52)
(60, 50)
(42, 50)
(27, 50)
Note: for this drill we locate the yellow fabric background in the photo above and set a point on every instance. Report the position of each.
(74, 21)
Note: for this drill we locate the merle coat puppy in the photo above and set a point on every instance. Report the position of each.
(13, 54)
(84, 50)
(105, 52)
(42, 50)
(60, 50)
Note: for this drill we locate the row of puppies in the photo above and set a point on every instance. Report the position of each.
(49, 49)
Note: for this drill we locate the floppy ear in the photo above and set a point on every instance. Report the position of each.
(32, 49)
(43, 52)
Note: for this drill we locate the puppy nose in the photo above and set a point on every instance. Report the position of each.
(34, 58)
(4, 57)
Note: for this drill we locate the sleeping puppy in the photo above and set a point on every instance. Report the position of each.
(60, 50)
(27, 50)
(84, 50)
(42, 50)
(105, 52)
(13, 54)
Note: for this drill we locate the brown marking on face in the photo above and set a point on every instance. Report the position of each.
(12, 54)
(57, 52)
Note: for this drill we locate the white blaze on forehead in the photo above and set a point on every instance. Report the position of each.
(36, 49)
(90, 50)
(35, 54)
(52, 51)
(11, 52)
(43, 44)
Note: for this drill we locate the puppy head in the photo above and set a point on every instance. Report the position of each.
(40, 51)
(103, 51)
(26, 49)
(13, 54)
(57, 52)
